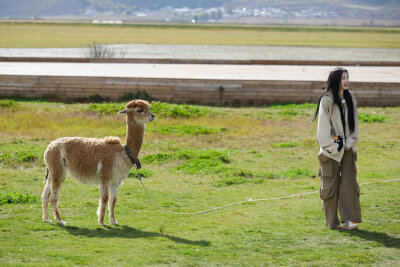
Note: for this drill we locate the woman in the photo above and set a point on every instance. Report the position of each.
(337, 135)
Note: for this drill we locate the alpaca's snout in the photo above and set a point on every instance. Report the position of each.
(152, 117)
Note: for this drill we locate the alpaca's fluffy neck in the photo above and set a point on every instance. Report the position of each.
(134, 136)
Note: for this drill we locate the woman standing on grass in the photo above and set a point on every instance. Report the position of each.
(337, 135)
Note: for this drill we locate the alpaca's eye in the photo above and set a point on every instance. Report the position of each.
(140, 110)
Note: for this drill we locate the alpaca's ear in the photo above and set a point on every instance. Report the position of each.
(125, 111)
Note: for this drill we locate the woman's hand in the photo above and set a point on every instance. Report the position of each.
(347, 149)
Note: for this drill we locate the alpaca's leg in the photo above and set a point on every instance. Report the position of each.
(101, 211)
(54, 195)
(111, 203)
(45, 201)
(57, 177)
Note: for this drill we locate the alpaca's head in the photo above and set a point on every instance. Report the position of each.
(138, 111)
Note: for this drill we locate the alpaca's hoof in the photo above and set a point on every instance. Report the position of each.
(102, 224)
(61, 222)
(114, 222)
(47, 220)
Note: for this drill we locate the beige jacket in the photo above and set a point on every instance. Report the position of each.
(330, 125)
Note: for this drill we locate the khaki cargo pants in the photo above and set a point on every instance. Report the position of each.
(339, 188)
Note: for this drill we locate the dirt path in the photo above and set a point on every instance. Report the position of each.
(199, 71)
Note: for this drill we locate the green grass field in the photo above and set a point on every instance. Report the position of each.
(196, 158)
(48, 35)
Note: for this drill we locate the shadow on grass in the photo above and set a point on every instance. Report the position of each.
(383, 238)
(124, 231)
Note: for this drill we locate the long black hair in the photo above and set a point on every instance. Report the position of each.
(333, 85)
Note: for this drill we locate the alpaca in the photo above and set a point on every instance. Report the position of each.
(90, 160)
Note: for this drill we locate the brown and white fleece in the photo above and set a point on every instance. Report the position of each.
(93, 160)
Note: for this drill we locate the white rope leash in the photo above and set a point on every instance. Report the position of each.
(240, 202)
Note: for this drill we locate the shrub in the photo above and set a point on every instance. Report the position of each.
(17, 198)
(371, 117)
(100, 51)
(178, 111)
(138, 95)
(202, 161)
(90, 99)
(194, 161)
(144, 173)
(8, 103)
(160, 157)
(159, 108)
(288, 112)
(19, 152)
(311, 106)
(236, 103)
